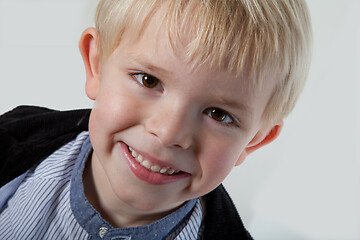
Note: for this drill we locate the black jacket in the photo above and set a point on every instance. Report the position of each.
(30, 134)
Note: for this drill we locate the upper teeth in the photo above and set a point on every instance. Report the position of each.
(151, 166)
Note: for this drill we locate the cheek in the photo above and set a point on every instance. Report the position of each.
(114, 111)
(110, 116)
(218, 159)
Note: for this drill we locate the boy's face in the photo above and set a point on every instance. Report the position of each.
(196, 123)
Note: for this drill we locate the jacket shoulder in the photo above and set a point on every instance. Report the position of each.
(222, 220)
(29, 134)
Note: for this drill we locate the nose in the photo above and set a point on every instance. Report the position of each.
(172, 125)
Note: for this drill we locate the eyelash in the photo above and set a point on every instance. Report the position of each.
(141, 81)
(209, 111)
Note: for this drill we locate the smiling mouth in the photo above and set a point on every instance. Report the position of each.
(152, 166)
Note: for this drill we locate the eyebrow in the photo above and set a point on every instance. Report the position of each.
(234, 104)
(148, 65)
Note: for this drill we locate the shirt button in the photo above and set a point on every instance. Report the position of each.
(102, 231)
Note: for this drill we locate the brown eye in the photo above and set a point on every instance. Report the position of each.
(146, 80)
(218, 115)
(149, 81)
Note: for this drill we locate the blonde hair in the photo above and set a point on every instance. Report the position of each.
(251, 38)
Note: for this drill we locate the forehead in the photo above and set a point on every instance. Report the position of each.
(204, 33)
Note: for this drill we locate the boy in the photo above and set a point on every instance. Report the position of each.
(183, 91)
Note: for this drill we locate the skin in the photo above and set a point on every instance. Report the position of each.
(172, 121)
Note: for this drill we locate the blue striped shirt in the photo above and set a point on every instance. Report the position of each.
(42, 204)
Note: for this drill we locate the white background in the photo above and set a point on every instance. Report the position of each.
(306, 185)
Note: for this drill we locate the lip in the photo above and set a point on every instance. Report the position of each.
(146, 175)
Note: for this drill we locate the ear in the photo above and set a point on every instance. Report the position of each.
(90, 55)
(261, 138)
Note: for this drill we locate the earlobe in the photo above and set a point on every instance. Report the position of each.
(90, 55)
(261, 139)
(242, 158)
